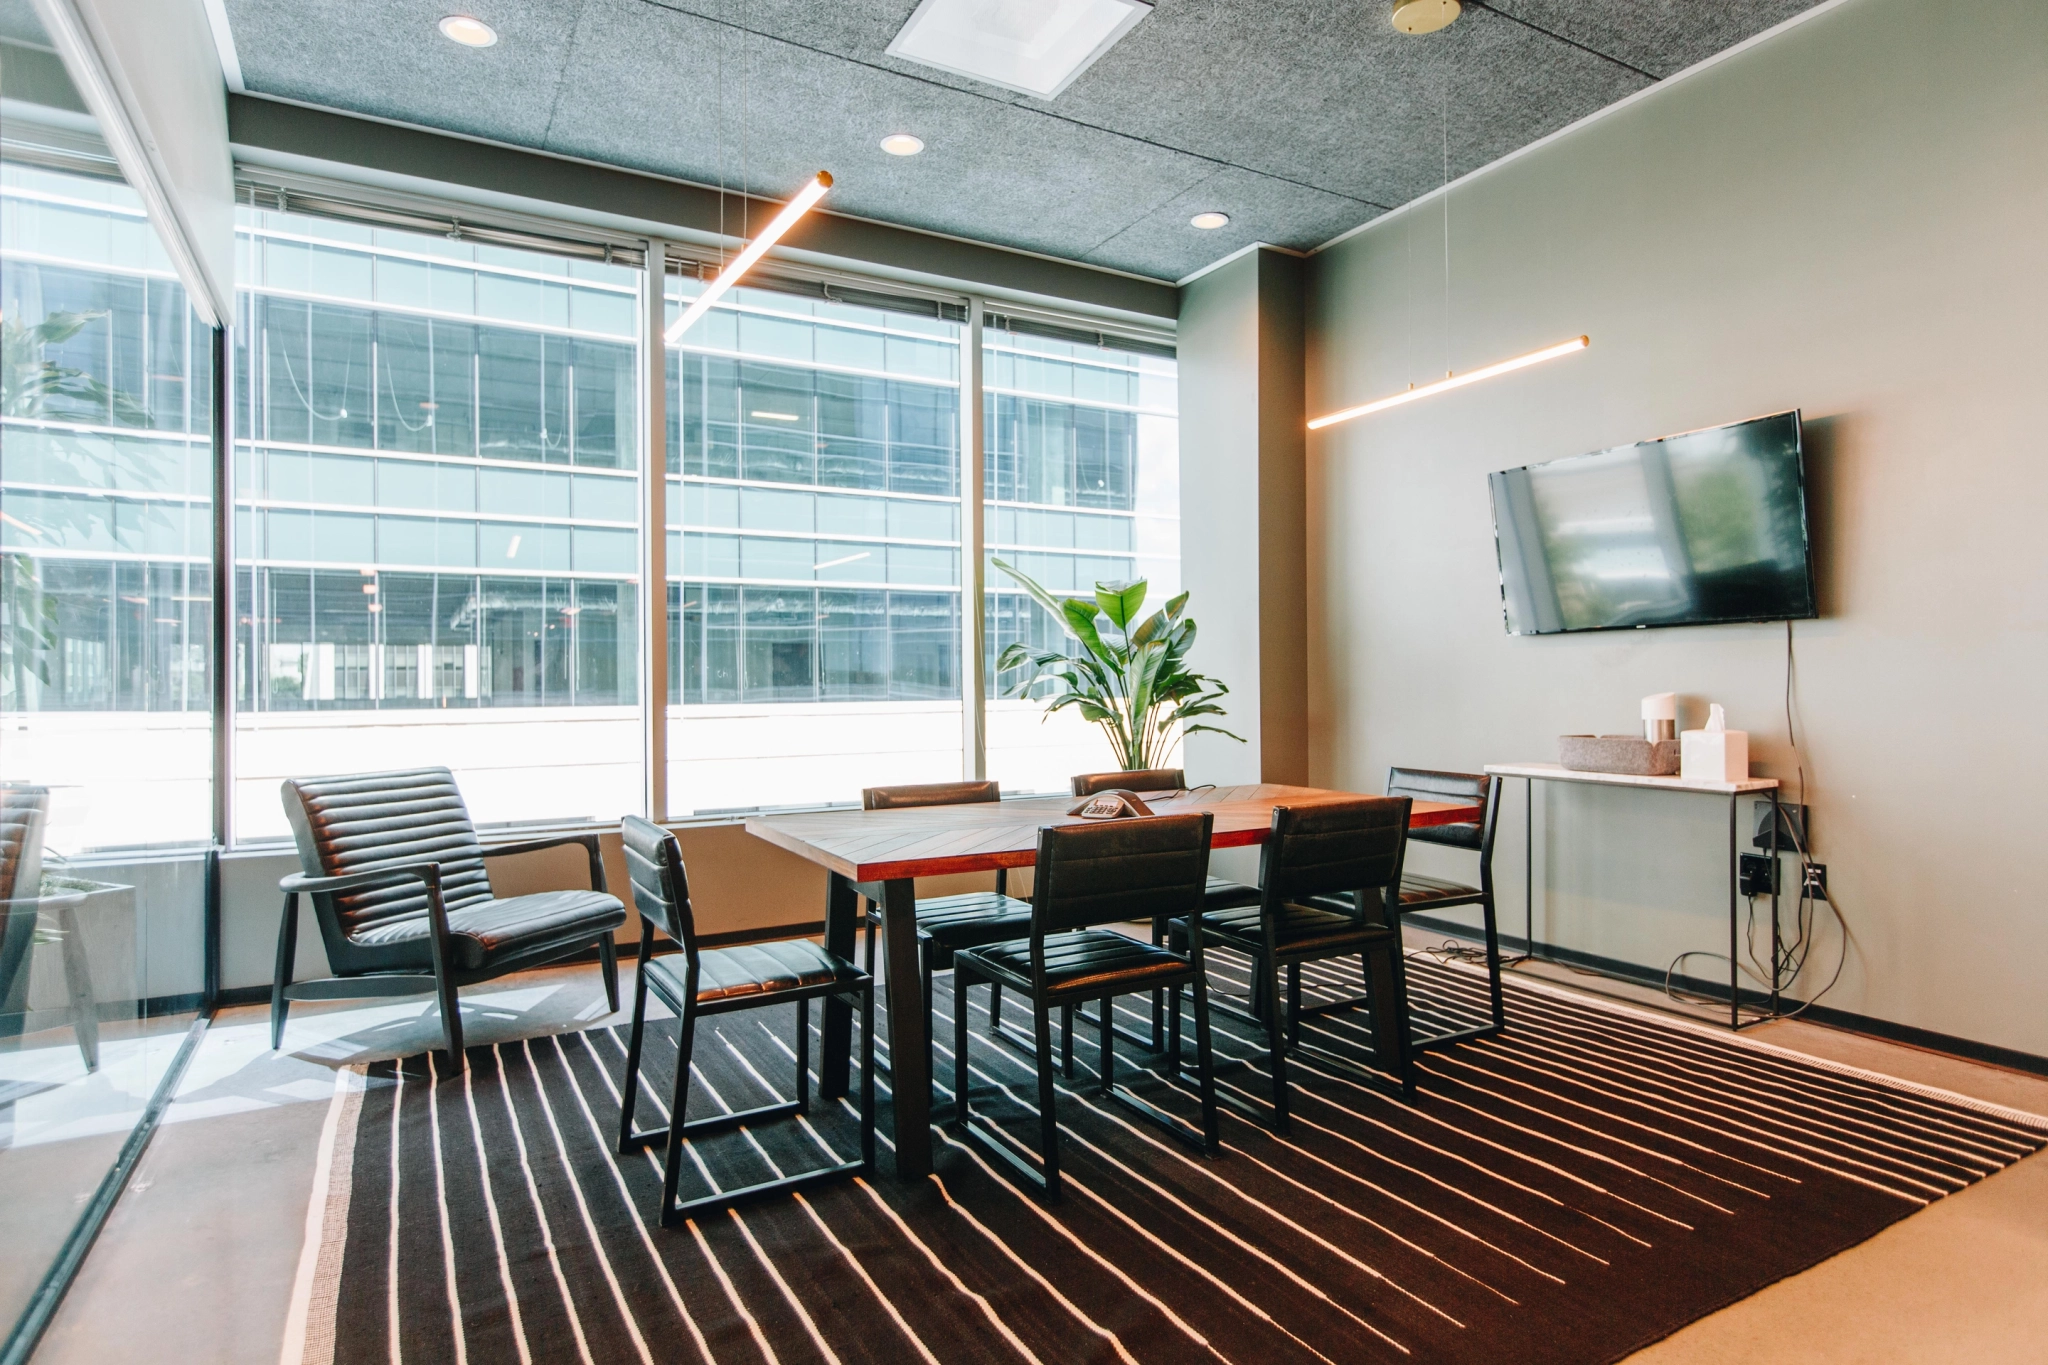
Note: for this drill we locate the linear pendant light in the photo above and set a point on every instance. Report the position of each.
(796, 208)
(1454, 382)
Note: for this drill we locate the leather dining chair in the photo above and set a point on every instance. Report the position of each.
(714, 981)
(405, 904)
(1420, 892)
(1328, 876)
(946, 924)
(1089, 875)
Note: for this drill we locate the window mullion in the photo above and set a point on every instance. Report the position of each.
(973, 454)
(654, 531)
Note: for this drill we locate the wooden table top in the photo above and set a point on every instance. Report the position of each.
(929, 841)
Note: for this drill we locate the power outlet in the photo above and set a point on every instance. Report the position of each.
(1817, 880)
(1753, 877)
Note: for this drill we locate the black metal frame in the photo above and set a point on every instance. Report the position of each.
(969, 967)
(666, 904)
(443, 980)
(1736, 1022)
(1483, 898)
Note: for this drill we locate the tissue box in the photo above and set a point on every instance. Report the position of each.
(1713, 756)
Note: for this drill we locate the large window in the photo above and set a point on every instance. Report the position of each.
(814, 549)
(1082, 486)
(106, 752)
(437, 500)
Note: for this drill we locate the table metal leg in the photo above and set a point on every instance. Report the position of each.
(909, 1054)
(1734, 922)
(842, 920)
(1776, 946)
(1528, 867)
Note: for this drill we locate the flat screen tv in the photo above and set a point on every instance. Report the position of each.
(1689, 530)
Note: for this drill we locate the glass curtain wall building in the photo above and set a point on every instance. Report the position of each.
(436, 512)
(1082, 486)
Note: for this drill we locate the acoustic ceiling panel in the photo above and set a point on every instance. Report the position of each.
(1299, 118)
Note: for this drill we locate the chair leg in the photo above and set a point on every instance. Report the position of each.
(959, 1044)
(867, 919)
(1276, 1041)
(85, 1009)
(1066, 1040)
(679, 1101)
(608, 966)
(1173, 1033)
(995, 1007)
(629, 1084)
(1293, 1004)
(287, 953)
(927, 986)
(451, 1020)
(867, 1076)
(1048, 1116)
(1205, 1063)
(1500, 1016)
(803, 1056)
(1108, 1044)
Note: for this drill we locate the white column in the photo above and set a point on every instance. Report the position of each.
(973, 669)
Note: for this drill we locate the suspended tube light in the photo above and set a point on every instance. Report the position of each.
(1455, 381)
(796, 208)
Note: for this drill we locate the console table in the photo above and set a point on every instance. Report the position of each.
(1532, 773)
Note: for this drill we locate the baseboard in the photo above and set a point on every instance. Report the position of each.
(260, 995)
(1927, 1039)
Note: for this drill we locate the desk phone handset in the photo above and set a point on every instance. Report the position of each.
(1110, 805)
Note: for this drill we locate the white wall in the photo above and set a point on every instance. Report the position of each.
(1847, 218)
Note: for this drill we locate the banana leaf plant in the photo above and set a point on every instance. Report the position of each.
(1130, 674)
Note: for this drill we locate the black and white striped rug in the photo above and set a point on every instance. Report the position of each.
(1575, 1189)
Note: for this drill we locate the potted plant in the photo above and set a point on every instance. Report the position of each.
(1130, 674)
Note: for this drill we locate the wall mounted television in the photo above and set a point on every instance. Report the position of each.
(1699, 529)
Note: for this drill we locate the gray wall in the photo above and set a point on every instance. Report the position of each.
(1846, 218)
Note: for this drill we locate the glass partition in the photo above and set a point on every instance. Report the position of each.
(105, 648)
(814, 550)
(436, 519)
(1082, 486)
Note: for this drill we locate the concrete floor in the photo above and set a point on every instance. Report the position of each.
(197, 1261)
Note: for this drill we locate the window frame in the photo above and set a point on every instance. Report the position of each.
(655, 258)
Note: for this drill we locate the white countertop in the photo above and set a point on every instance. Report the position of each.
(1552, 772)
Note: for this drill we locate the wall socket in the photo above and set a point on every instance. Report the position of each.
(1753, 877)
(1817, 880)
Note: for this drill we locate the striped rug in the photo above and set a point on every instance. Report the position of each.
(1570, 1191)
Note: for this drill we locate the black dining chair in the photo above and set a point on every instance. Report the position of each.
(946, 924)
(1220, 893)
(24, 813)
(1089, 875)
(1328, 875)
(1419, 893)
(714, 981)
(404, 901)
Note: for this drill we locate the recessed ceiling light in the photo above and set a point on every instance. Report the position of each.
(1425, 16)
(1035, 47)
(902, 144)
(461, 28)
(1210, 221)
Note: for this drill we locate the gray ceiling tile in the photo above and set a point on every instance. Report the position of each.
(1164, 243)
(1662, 37)
(1299, 118)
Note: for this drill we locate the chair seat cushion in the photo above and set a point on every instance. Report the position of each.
(974, 918)
(764, 969)
(1301, 927)
(487, 933)
(1086, 961)
(1420, 890)
(1223, 894)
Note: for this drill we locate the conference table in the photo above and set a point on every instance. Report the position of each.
(879, 854)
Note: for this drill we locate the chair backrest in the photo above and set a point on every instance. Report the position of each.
(1425, 784)
(661, 888)
(370, 820)
(23, 811)
(1341, 847)
(1142, 780)
(1113, 870)
(929, 794)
